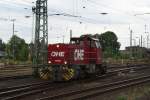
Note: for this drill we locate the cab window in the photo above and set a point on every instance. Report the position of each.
(74, 41)
(78, 42)
(82, 43)
(98, 45)
(93, 44)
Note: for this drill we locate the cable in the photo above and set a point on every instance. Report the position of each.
(96, 8)
(65, 14)
(18, 2)
(118, 10)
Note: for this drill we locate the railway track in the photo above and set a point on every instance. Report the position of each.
(14, 93)
(123, 70)
(6, 74)
(26, 66)
(14, 69)
(15, 72)
(24, 91)
(126, 66)
(15, 66)
(14, 77)
(88, 93)
(17, 91)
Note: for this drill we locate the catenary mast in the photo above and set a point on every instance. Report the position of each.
(41, 35)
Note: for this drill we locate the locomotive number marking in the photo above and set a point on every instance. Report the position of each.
(78, 54)
(57, 54)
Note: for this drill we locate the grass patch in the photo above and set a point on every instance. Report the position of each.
(140, 92)
(121, 98)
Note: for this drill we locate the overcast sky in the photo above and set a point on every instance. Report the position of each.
(121, 16)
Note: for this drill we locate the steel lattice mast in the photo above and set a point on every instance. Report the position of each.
(41, 35)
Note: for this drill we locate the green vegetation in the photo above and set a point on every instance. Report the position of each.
(121, 98)
(2, 46)
(111, 52)
(17, 50)
(141, 92)
(109, 43)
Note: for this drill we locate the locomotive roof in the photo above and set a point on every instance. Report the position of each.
(82, 37)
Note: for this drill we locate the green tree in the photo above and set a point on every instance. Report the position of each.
(18, 48)
(109, 42)
(2, 46)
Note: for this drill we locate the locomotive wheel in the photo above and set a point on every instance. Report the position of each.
(101, 69)
(45, 73)
(104, 69)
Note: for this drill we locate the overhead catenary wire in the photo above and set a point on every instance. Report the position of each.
(115, 9)
(75, 13)
(76, 4)
(83, 17)
(17, 2)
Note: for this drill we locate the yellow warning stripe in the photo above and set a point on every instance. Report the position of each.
(68, 74)
(44, 75)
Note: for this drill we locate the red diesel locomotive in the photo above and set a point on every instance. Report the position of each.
(78, 59)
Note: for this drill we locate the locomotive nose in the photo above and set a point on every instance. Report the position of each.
(58, 54)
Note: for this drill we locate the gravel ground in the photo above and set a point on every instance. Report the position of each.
(130, 93)
(119, 77)
(76, 85)
(15, 71)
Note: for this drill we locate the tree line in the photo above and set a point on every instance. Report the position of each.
(109, 43)
(19, 50)
(16, 49)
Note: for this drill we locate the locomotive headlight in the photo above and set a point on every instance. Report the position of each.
(49, 62)
(57, 46)
(65, 62)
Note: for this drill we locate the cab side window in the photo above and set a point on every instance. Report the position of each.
(75, 42)
(93, 44)
(82, 43)
(98, 44)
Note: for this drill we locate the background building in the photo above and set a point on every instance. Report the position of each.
(137, 52)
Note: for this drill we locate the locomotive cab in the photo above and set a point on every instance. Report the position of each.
(91, 48)
(89, 56)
